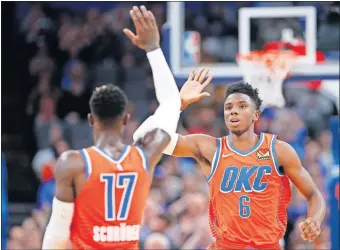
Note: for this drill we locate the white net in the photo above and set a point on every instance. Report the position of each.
(267, 71)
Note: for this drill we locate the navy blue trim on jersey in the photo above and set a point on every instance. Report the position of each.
(87, 169)
(274, 156)
(144, 158)
(249, 151)
(122, 155)
(216, 159)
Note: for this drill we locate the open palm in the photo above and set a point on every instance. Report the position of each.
(147, 33)
(192, 89)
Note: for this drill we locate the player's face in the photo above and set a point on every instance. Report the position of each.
(239, 113)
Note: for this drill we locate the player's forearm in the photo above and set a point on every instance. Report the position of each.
(167, 114)
(316, 206)
(165, 84)
(57, 233)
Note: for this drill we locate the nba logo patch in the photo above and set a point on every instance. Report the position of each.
(191, 48)
(263, 154)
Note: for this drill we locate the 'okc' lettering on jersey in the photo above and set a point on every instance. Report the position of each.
(235, 179)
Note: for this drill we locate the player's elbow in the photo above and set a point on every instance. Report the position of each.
(316, 196)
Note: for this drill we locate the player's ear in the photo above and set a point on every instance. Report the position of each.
(256, 116)
(90, 119)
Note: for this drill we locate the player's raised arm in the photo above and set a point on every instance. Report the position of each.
(189, 145)
(58, 229)
(154, 138)
(288, 158)
(193, 145)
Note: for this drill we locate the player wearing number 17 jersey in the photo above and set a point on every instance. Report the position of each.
(101, 191)
(248, 174)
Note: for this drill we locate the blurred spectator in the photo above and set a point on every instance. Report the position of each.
(41, 63)
(46, 155)
(160, 224)
(16, 238)
(73, 102)
(290, 128)
(316, 110)
(156, 241)
(312, 156)
(29, 235)
(326, 156)
(46, 114)
(46, 193)
(44, 89)
(47, 187)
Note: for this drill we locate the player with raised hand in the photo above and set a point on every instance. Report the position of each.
(248, 174)
(101, 191)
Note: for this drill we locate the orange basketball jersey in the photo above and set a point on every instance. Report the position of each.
(249, 196)
(108, 211)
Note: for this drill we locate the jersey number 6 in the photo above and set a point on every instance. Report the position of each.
(126, 181)
(244, 209)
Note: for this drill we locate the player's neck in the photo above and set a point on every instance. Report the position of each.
(107, 137)
(244, 140)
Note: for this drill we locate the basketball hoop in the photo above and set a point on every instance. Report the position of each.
(266, 70)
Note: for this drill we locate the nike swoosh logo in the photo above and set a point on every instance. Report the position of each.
(226, 155)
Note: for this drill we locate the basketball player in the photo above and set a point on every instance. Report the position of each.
(101, 191)
(248, 174)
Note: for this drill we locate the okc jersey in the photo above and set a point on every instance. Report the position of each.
(249, 195)
(109, 209)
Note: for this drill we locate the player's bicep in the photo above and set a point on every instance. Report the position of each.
(302, 181)
(293, 168)
(187, 146)
(64, 178)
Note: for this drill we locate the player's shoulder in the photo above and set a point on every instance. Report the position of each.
(284, 151)
(70, 161)
(70, 155)
(278, 143)
(283, 146)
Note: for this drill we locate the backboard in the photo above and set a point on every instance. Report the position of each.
(295, 23)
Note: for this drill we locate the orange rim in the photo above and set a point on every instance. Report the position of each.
(269, 58)
(258, 55)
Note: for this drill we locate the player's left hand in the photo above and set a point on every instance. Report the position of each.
(192, 89)
(147, 34)
(310, 229)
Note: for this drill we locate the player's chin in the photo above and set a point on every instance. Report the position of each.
(236, 131)
(234, 125)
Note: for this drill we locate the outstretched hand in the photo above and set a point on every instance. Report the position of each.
(147, 34)
(192, 89)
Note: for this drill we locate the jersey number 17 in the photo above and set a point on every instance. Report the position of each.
(125, 181)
